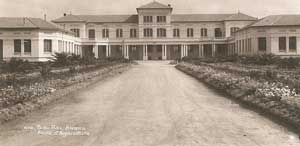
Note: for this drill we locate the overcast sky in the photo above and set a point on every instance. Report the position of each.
(56, 8)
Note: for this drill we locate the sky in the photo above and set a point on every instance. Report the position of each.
(56, 8)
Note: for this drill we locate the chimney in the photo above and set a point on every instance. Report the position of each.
(169, 5)
(65, 14)
(45, 17)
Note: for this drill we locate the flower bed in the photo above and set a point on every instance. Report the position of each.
(14, 99)
(271, 97)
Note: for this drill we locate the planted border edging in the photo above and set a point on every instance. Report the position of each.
(280, 111)
(12, 112)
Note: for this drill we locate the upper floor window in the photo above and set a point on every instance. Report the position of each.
(262, 44)
(161, 19)
(218, 32)
(233, 29)
(203, 32)
(190, 32)
(119, 33)
(17, 46)
(148, 32)
(161, 32)
(282, 44)
(133, 33)
(105, 33)
(148, 19)
(47, 45)
(76, 31)
(92, 34)
(176, 32)
(27, 46)
(292, 44)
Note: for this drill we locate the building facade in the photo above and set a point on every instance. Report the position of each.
(154, 33)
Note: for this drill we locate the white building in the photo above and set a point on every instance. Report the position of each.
(34, 39)
(154, 33)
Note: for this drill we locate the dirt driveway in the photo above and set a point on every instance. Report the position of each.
(153, 104)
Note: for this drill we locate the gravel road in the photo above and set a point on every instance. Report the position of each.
(153, 104)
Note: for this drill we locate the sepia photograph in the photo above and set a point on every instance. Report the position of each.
(149, 73)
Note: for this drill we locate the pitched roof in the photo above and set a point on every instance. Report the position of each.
(211, 17)
(28, 23)
(239, 17)
(99, 18)
(154, 5)
(278, 20)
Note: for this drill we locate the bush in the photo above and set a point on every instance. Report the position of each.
(61, 59)
(17, 65)
(289, 63)
(260, 59)
(45, 70)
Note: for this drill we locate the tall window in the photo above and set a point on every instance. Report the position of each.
(17, 46)
(262, 44)
(47, 45)
(204, 32)
(292, 44)
(27, 46)
(176, 32)
(233, 29)
(218, 32)
(282, 44)
(148, 32)
(91, 33)
(105, 33)
(190, 32)
(133, 33)
(161, 32)
(161, 19)
(119, 33)
(76, 31)
(148, 19)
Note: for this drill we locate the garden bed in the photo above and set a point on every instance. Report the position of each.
(269, 97)
(30, 92)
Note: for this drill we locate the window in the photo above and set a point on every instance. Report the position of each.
(91, 33)
(262, 44)
(148, 19)
(119, 33)
(204, 32)
(47, 45)
(282, 44)
(17, 46)
(105, 33)
(161, 19)
(148, 32)
(190, 32)
(133, 33)
(176, 32)
(218, 32)
(27, 46)
(233, 29)
(292, 44)
(161, 32)
(76, 31)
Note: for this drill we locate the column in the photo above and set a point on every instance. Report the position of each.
(213, 50)
(164, 52)
(145, 54)
(186, 50)
(126, 52)
(95, 51)
(200, 50)
(181, 51)
(106, 50)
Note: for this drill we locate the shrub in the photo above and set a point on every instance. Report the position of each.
(18, 65)
(45, 70)
(274, 91)
(74, 59)
(72, 69)
(61, 59)
(289, 63)
(260, 59)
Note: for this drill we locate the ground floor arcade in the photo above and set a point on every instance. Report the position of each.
(155, 51)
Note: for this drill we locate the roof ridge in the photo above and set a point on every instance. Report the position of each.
(31, 22)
